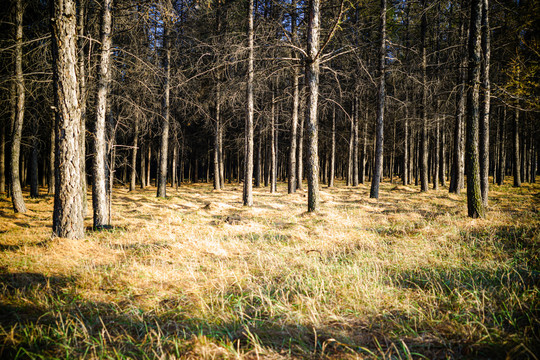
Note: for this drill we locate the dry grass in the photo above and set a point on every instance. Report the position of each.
(197, 275)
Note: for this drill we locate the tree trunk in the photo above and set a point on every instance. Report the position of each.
(312, 79)
(258, 159)
(248, 150)
(364, 149)
(133, 175)
(332, 175)
(423, 108)
(474, 195)
(68, 221)
(501, 167)
(273, 152)
(100, 168)
(405, 174)
(294, 118)
(16, 189)
(217, 178)
(379, 139)
(164, 151)
(517, 163)
(34, 181)
(81, 15)
(350, 164)
(484, 103)
(300, 155)
(2, 158)
(355, 142)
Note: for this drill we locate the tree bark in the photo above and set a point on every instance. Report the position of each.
(16, 137)
(248, 145)
(294, 118)
(312, 79)
(68, 221)
(474, 196)
(81, 15)
(363, 156)
(485, 103)
(273, 152)
(355, 142)
(100, 167)
(164, 151)
(424, 180)
(217, 155)
(379, 139)
(34, 181)
(300, 155)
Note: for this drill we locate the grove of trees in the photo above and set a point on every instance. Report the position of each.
(98, 93)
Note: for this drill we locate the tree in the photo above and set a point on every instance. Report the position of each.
(16, 190)
(248, 145)
(312, 80)
(100, 195)
(379, 142)
(424, 180)
(485, 94)
(164, 151)
(68, 212)
(474, 196)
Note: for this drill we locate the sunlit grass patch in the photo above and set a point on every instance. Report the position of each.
(196, 275)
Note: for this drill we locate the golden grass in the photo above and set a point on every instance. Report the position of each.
(197, 275)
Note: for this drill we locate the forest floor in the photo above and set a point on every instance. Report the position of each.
(197, 275)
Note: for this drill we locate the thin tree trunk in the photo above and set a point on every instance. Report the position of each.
(502, 149)
(273, 153)
(2, 158)
(68, 221)
(355, 142)
(312, 79)
(133, 175)
(99, 183)
(331, 176)
(217, 177)
(405, 175)
(485, 103)
(379, 139)
(258, 159)
(517, 164)
(16, 189)
(424, 180)
(474, 195)
(294, 118)
(34, 182)
(350, 164)
(364, 149)
(143, 166)
(300, 155)
(81, 15)
(161, 177)
(248, 150)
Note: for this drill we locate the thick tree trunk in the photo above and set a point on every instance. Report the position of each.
(474, 195)
(100, 169)
(16, 136)
(161, 177)
(68, 218)
(484, 103)
(379, 138)
(424, 180)
(248, 145)
(312, 80)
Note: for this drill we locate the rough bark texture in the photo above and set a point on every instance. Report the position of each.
(379, 138)
(485, 104)
(68, 212)
(164, 151)
(50, 189)
(81, 15)
(474, 196)
(312, 79)
(423, 107)
(248, 146)
(16, 135)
